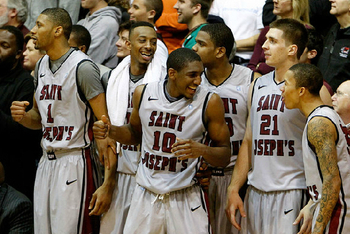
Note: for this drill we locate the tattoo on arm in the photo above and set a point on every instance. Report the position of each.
(322, 135)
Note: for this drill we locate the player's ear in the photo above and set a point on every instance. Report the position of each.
(311, 54)
(58, 31)
(172, 73)
(302, 91)
(220, 52)
(293, 50)
(83, 48)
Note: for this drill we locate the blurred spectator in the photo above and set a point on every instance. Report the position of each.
(31, 55)
(341, 102)
(20, 147)
(102, 22)
(297, 9)
(172, 32)
(81, 39)
(14, 12)
(150, 11)
(334, 62)
(123, 49)
(320, 16)
(35, 7)
(194, 13)
(16, 210)
(245, 21)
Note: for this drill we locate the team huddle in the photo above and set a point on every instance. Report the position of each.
(161, 125)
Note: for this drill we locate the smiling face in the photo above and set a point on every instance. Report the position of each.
(187, 80)
(184, 11)
(142, 45)
(138, 11)
(31, 56)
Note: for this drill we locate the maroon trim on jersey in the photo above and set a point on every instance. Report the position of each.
(205, 104)
(205, 74)
(334, 222)
(143, 91)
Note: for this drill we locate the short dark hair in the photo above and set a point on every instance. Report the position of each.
(179, 58)
(308, 76)
(221, 36)
(205, 6)
(125, 26)
(139, 24)
(82, 36)
(18, 35)
(156, 5)
(315, 42)
(294, 32)
(60, 17)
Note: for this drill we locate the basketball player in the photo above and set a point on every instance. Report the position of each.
(273, 140)
(325, 152)
(134, 70)
(171, 118)
(214, 43)
(68, 87)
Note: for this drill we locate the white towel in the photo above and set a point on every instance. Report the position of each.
(118, 88)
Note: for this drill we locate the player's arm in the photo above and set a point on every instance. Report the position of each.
(240, 172)
(129, 134)
(219, 154)
(322, 135)
(30, 119)
(89, 83)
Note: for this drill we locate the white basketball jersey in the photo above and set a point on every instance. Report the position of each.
(64, 116)
(277, 162)
(130, 154)
(340, 220)
(162, 122)
(233, 92)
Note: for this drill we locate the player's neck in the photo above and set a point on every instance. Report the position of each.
(282, 69)
(57, 50)
(309, 104)
(136, 68)
(219, 73)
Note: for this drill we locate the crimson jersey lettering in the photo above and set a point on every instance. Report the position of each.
(157, 162)
(233, 92)
(168, 120)
(51, 92)
(271, 102)
(277, 162)
(230, 102)
(57, 98)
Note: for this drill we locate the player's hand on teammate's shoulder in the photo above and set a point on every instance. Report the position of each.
(18, 110)
(187, 148)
